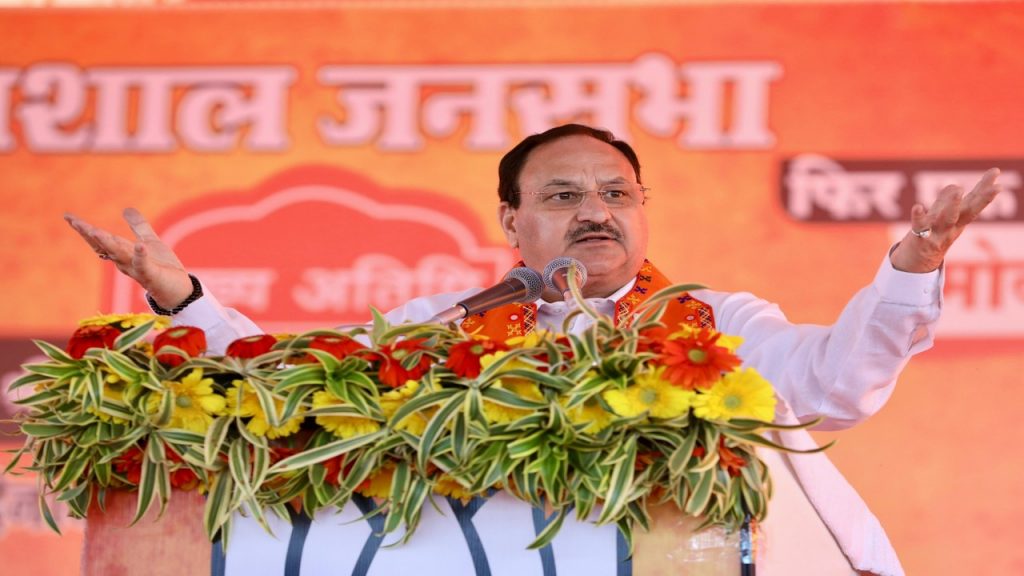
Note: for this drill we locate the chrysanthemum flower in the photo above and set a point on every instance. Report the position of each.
(526, 389)
(445, 485)
(391, 401)
(242, 401)
(592, 414)
(740, 394)
(651, 393)
(189, 339)
(195, 402)
(464, 357)
(391, 372)
(378, 485)
(86, 337)
(251, 346)
(696, 361)
(113, 390)
(127, 321)
(342, 426)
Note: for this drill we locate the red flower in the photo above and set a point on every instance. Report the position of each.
(464, 357)
(698, 451)
(130, 464)
(728, 460)
(337, 468)
(182, 477)
(338, 346)
(645, 459)
(391, 371)
(88, 337)
(251, 346)
(652, 339)
(695, 361)
(188, 338)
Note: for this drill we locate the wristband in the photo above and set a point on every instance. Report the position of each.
(197, 293)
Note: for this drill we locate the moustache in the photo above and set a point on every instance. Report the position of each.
(593, 228)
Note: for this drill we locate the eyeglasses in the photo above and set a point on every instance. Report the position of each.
(570, 197)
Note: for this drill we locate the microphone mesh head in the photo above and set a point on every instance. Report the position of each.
(531, 279)
(560, 263)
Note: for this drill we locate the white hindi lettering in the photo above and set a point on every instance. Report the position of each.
(815, 181)
(65, 109)
(8, 77)
(247, 288)
(381, 281)
(929, 183)
(388, 104)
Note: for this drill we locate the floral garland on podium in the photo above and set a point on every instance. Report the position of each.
(616, 418)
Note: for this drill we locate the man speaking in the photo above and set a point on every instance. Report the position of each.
(577, 192)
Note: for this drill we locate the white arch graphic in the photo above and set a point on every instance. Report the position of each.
(469, 248)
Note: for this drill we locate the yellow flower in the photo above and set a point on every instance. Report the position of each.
(343, 426)
(527, 389)
(592, 414)
(195, 402)
(740, 394)
(445, 485)
(378, 485)
(113, 391)
(727, 341)
(652, 394)
(127, 321)
(391, 401)
(249, 405)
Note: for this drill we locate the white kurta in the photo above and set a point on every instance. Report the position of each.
(844, 373)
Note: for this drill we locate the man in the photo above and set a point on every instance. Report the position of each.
(576, 191)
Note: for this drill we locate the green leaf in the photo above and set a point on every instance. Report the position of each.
(55, 353)
(616, 496)
(702, 483)
(214, 439)
(28, 380)
(550, 531)
(326, 452)
(435, 427)
(130, 337)
(44, 511)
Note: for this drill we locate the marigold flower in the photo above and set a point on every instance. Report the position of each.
(695, 361)
(251, 346)
(740, 394)
(650, 393)
(391, 372)
(242, 401)
(189, 339)
(195, 402)
(87, 337)
(464, 357)
(342, 426)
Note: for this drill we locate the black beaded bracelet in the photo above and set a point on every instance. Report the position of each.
(197, 293)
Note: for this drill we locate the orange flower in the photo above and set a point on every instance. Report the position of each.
(182, 477)
(464, 357)
(695, 361)
(130, 465)
(251, 346)
(337, 468)
(338, 346)
(88, 337)
(392, 372)
(728, 460)
(189, 339)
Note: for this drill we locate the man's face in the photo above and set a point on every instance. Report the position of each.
(610, 241)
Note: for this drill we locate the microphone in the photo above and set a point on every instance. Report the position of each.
(521, 284)
(556, 275)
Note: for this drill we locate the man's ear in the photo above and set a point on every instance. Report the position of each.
(507, 219)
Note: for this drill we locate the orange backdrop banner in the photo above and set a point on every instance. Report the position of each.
(310, 163)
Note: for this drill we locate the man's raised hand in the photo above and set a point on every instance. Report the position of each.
(147, 260)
